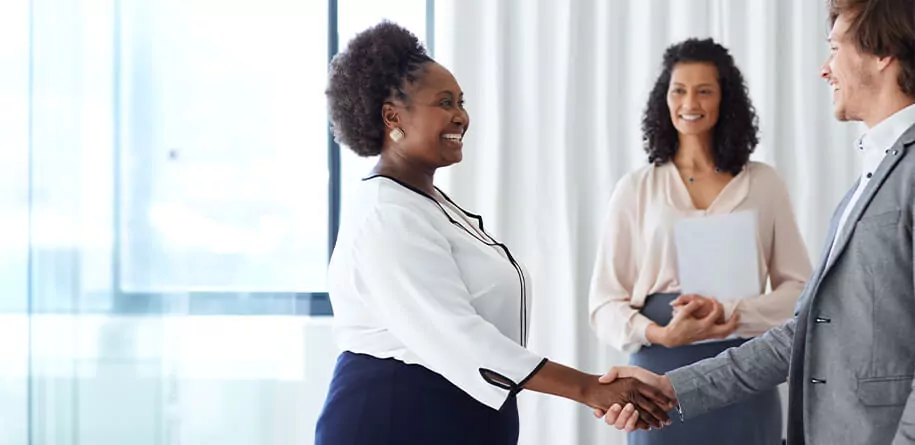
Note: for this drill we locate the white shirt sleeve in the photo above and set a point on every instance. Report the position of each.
(407, 277)
(612, 318)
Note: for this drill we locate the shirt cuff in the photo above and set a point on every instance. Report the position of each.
(639, 331)
(679, 382)
(730, 307)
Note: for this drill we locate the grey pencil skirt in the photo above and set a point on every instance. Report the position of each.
(754, 421)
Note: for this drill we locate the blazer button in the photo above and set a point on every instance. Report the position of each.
(822, 320)
(817, 381)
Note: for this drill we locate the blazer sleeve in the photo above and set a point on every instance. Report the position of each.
(406, 274)
(905, 431)
(735, 374)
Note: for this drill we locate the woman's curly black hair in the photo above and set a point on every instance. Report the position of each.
(735, 133)
(375, 65)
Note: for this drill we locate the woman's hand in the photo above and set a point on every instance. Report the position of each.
(645, 405)
(707, 305)
(686, 328)
(625, 417)
(649, 404)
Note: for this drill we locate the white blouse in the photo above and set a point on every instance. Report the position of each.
(637, 256)
(415, 278)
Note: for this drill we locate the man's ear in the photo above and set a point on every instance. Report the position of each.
(390, 115)
(884, 62)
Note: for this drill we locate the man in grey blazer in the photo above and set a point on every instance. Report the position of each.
(849, 353)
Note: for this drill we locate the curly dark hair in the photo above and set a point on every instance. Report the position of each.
(375, 66)
(735, 133)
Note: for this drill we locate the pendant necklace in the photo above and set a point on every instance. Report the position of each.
(692, 180)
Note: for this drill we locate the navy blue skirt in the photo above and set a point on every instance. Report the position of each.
(755, 421)
(387, 402)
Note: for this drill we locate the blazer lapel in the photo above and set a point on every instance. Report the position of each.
(814, 280)
(886, 166)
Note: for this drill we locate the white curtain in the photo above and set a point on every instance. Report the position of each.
(556, 90)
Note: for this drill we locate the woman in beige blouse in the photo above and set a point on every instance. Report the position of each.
(700, 129)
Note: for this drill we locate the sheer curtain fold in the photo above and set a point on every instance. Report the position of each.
(556, 91)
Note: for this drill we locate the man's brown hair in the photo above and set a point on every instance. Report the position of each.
(882, 28)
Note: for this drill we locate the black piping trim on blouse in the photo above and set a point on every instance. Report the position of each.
(497, 380)
(500, 381)
(493, 242)
(470, 214)
(488, 240)
(532, 374)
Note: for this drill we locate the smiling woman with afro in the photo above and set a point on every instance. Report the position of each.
(431, 311)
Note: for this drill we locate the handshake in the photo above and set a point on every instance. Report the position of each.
(642, 399)
(650, 397)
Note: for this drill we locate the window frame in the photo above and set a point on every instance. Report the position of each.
(240, 303)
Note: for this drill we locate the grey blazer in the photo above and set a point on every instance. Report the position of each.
(849, 353)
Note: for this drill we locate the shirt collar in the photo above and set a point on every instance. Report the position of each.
(883, 135)
(729, 198)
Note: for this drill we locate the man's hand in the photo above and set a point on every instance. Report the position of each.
(625, 416)
(648, 402)
(647, 405)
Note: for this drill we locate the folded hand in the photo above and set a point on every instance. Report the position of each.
(686, 327)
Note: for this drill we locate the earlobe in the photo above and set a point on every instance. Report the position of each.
(884, 62)
(392, 121)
